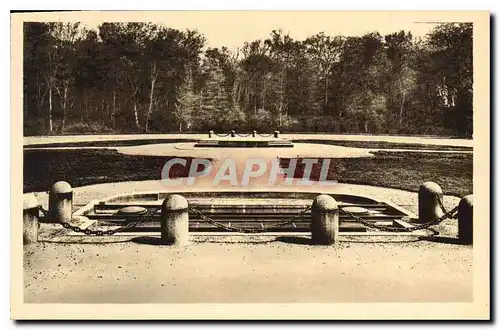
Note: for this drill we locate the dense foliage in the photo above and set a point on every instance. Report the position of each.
(141, 77)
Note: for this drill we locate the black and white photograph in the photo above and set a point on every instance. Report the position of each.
(261, 164)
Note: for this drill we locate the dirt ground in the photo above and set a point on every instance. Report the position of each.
(251, 269)
(270, 270)
(256, 269)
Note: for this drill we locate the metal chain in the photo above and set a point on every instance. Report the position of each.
(452, 214)
(443, 209)
(448, 215)
(222, 135)
(248, 230)
(141, 219)
(44, 211)
(243, 135)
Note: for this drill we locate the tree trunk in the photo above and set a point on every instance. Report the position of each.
(151, 96)
(180, 126)
(401, 111)
(282, 96)
(63, 106)
(264, 95)
(50, 108)
(39, 100)
(239, 92)
(84, 111)
(103, 107)
(113, 114)
(136, 115)
(366, 126)
(201, 101)
(326, 91)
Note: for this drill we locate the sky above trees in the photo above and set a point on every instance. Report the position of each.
(232, 28)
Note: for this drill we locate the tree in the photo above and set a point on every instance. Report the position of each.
(59, 75)
(170, 53)
(450, 47)
(400, 50)
(36, 41)
(67, 35)
(325, 51)
(255, 66)
(187, 102)
(283, 50)
(214, 100)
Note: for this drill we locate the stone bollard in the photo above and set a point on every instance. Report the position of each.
(465, 223)
(31, 209)
(175, 220)
(233, 133)
(210, 133)
(325, 220)
(276, 133)
(61, 202)
(429, 195)
(254, 133)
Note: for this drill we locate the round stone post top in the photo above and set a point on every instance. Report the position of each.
(30, 202)
(61, 187)
(325, 203)
(175, 202)
(432, 187)
(467, 200)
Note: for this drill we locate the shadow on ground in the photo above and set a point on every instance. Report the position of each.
(149, 240)
(441, 239)
(295, 240)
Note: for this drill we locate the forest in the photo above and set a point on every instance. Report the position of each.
(137, 77)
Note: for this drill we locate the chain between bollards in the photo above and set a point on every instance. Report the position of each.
(108, 232)
(248, 230)
(234, 134)
(448, 215)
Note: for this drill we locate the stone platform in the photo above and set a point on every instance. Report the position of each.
(264, 210)
(244, 142)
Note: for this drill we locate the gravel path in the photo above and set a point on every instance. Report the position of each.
(270, 272)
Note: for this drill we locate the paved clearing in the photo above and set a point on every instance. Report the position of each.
(250, 269)
(299, 150)
(268, 272)
(256, 269)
